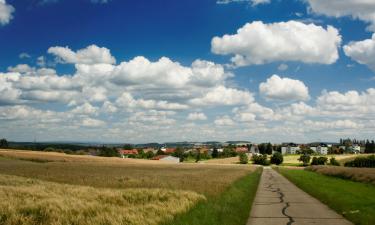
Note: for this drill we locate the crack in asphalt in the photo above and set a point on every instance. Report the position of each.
(281, 197)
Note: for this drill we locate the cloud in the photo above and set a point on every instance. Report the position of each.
(224, 96)
(24, 55)
(284, 89)
(282, 67)
(6, 12)
(259, 43)
(350, 101)
(197, 116)
(90, 55)
(362, 52)
(358, 9)
(93, 123)
(252, 2)
(224, 121)
(126, 100)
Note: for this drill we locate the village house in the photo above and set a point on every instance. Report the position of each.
(290, 149)
(167, 158)
(321, 149)
(125, 153)
(242, 149)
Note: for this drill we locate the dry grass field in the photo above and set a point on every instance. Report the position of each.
(293, 159)
(122, 173)
(54, 188)
(30, 201)
(230, 160)
(366, 175)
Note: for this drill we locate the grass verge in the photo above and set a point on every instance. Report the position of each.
(232, 207)
(365, 175)
(353, 200)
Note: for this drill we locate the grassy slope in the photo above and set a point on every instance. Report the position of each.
(232, 207)
(354, 200)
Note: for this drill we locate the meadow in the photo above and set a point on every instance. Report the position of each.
(292, 160)
(183, 187)
(353, 200)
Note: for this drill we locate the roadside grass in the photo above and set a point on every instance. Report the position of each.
(30, 201)
(353, 200)
(232, 207)
(365, 175)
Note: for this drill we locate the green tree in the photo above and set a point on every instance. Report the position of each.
(4, 143)
(243, 158)
(149, 155)
(305, 159)
(198, 156)
(269, 148)
(277, 158)
(128, 147)
(179, 152)
(108, 152)
(215, 153)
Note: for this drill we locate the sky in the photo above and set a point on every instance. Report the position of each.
(188, 70)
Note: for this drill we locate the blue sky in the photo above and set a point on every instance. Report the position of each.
(322, 86)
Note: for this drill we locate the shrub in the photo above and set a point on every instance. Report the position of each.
(277, 158)
(319, 160)
(362, 162)
(305, 159)
(261, 160)
(334, 162)
(243, 158)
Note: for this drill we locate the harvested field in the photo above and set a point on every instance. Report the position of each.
(230, 160)
(29, 201)
(38, 156)
(366, 175)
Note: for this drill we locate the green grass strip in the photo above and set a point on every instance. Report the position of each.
(354, 200)
(232, 207)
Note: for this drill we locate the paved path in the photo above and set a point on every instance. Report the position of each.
(280, 202)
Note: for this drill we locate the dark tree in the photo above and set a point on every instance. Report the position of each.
(128, 147)
(179, 153)
(4, 143)
(215, 153)
(269, 149)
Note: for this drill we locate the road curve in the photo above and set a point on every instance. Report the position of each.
(279, 202)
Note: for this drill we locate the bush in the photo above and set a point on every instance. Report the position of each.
(319, 160)
(362, 162)
(277, 158)
(244, 159)
(334, 162)
(305, 159)
(261, 160)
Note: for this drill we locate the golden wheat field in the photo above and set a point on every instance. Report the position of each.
(39, 188)
(31, 201)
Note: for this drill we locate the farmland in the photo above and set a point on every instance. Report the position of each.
(107, 179)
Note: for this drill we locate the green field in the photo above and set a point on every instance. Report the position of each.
(354, 200)
(102, 188)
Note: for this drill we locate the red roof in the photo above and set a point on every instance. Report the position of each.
(158, 157)
(170, 150)
(128, 152)
(241, 149)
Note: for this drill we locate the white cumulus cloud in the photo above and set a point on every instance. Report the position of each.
(197, 116)
(90, 55)
(6, 12)
(358, 9)
(362, 52)
(284, 89)
(260, 43)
